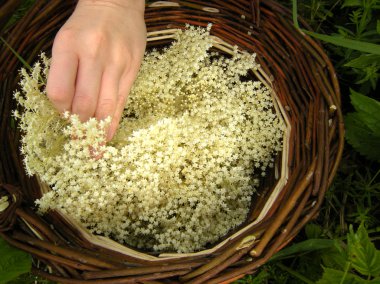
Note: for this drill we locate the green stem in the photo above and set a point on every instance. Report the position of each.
(374, 177)
(332, 8)
(295, 14)
(363, 19)
(295, 273)
(345, 272)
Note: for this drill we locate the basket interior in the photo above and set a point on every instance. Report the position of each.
(306, 96)
(274, 182)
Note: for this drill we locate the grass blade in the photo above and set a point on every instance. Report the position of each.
(304, 247)
(347, 43)
(26, 64)
(295, 14)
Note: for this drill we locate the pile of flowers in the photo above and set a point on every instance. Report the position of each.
(195, 137)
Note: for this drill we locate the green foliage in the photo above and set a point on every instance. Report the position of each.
(362, 254)
(352, 199)
(316, 12)
(352, 43)
(354, 261)
(363, 126)
(358, 261)
(262, 276)
(335, 257)
(337, 276)
(29, 278)
(20, 12)
(366, 68)
(362, 27)
(304, 247)
(13, 262)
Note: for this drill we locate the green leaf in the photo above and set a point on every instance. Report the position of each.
(336, 257)
(375, 281)
(378, 26)
(13, 262)
(365, 258)
(313, 231)
(363, 126)
(351, 3)
(333, 276)
(259, 278)
(364, 61)
(362, 46)
(368, 110)
(361, 137)
(303, 247)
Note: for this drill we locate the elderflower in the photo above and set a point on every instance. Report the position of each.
(185, 162)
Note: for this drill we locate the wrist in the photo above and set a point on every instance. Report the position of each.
(138, 5)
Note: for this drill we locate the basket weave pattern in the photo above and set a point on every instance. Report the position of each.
(306, 91)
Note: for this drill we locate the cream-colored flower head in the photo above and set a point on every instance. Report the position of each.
(181, 171)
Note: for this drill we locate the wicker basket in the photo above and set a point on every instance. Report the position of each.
(306, 96)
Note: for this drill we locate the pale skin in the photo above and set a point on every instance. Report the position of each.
(96, 56)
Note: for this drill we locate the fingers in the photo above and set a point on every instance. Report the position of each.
(96, 56)
(82, 87)
(124, 89)
(87, 88)
(61, 80)
(108, 93)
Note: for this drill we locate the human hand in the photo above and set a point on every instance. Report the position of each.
(95, 59)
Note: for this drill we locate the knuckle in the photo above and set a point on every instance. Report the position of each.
(106, 107)
(133, 66)
(96, 43)
(118, 57)
(122, 99)
(83, 97)
(107, 103)
(64, 37)
(56, 94)
(80, 109)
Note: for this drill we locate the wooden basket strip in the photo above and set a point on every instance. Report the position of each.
(281, 240)
(7, 217)
(139, 270)
(222, 265)
(247, 243)
(258, 262)
(37, 252)
(64, 251)
(284, 211)
(124, 280)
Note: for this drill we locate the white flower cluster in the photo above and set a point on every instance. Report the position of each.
(184, 164)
